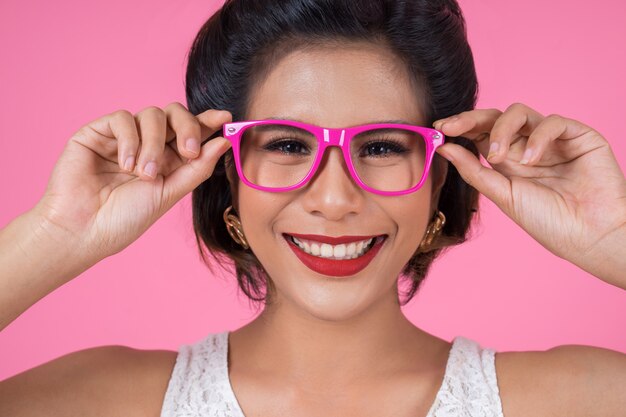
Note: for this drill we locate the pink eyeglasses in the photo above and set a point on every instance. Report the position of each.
(283, 155)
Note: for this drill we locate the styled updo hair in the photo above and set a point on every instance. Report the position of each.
(238, 46)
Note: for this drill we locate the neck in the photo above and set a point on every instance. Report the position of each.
(288, 342)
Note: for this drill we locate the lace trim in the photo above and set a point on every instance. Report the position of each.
(470, 385)
(200, 385)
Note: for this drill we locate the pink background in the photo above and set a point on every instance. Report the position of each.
(67, 63)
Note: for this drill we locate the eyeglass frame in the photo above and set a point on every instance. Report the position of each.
(327, 137)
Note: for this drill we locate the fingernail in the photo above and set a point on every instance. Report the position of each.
(493, 149)
(128, 165)
(526, 157)
(192, 145)
(150, 169)
(442, 122)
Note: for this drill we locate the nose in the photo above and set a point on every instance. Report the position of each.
(332, 193)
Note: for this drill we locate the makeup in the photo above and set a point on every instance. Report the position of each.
(336, 267)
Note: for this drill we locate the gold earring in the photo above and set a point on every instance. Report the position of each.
(233, 225)
(433, 230)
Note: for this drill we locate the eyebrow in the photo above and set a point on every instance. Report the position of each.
(397, 121)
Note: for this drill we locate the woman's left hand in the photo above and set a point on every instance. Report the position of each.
(570, 194)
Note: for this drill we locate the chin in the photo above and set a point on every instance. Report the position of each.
(330, 303)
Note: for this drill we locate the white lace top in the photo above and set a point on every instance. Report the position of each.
(200, 385)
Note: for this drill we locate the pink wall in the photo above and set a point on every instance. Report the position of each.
(67, 63)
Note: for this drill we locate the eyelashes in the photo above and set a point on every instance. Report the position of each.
(376, 148)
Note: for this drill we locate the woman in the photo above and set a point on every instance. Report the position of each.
(331, 339)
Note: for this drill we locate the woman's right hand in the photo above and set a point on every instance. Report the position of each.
(95, 204)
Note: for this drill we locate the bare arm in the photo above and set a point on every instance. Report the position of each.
(93, 208)
(35, 259)
(607, 259)
(570, 196)
(95, 205)
(568, 380)
(102, 381)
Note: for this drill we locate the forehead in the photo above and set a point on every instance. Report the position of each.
(338, 86)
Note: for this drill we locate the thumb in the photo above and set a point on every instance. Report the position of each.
(188, 176)
(487, 181)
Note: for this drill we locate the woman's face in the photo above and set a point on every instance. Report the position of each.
(335, 87)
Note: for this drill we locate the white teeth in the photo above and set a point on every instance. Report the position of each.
(343, 251)
(327, 250)
(339, 251)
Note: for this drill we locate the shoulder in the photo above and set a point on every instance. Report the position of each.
(114, 380)
(572, 380)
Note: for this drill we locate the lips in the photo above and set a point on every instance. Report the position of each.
(336, 267)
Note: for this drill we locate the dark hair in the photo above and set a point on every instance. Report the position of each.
(243, 40)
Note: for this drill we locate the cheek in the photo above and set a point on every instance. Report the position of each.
(251, 218)
(415, 221)
(259, 211)
(412, 216)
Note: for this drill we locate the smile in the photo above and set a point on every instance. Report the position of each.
(342, 251)
(341, 256)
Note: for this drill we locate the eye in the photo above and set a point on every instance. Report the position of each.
(287, 146)
(382, 148)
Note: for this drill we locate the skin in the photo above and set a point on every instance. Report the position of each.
(281, 363)
(315, 318)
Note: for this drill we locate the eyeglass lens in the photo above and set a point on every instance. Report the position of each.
(388, 159)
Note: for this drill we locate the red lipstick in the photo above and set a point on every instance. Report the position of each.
(335, 267)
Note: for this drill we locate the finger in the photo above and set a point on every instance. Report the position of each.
(487, 181)
(186, 129)
(469, 124)
(518, 119)
(152, 123)
(551, 128)
(120, 126)
(125, 130)
(188, 176)
(483, 127)
(474, 125)
(211, 121)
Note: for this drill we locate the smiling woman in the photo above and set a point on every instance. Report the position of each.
(307, 61)
(342, 154)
